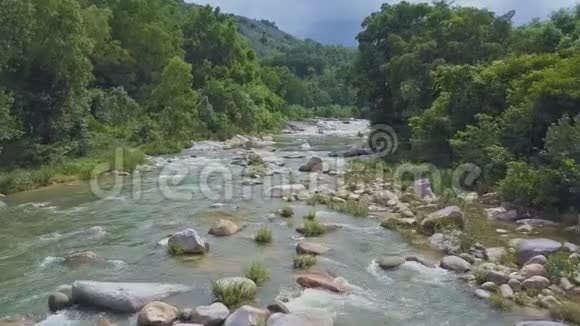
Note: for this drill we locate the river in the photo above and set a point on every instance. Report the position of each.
(41, 226)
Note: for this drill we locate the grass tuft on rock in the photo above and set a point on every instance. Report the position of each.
(258, 273)
(559, 265)
(264, 236)
(304, 261)
(311, 216)
(570, 312)
(313, 228)
(509, 258)
(233, 295)
(499, 302)
(354, 207)
(287, 212)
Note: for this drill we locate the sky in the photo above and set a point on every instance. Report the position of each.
(338, 21)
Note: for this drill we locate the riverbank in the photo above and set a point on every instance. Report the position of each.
(59, 235)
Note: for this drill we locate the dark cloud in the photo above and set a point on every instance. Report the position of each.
(338, 21)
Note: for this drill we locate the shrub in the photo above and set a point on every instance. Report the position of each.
(311, 216)
(287, 211)
(312, 228)
(570, 312)
(162, 148)
(480, 276)
(353, 207)
(529, 186)
(510, 258)
(255, 159)
(450, 198)
(125, 159)
(318, 199)
(264, 236)
(499, 302)
(258, 273)
(233, 295)
(559, 266)
(304, 261)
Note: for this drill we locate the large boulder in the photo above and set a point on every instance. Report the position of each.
(285, 190)
(122, 297)
(311, 248)
(456, 264)
(502, 214)
(536, 283)
(390, 262)
(157, 314)
(247, 316)
(313, 165)
(533, 270)
(451, 216)
(534, 247)
(319, 281)
(211, 315)
(187, 242)
(446, 242)
(223, 228)
(301, 318)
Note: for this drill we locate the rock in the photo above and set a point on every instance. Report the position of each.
(247, 316)
(506, 291)
(536, 283)
(537, 222)
(327, 228)
(278, 307)
(482, 294)
(566, 284)
(455, 264)
(420, 260)
(301, 318)
(539, 259)
(515, 284)
(550, 303)
(313, 165)
(241, 282)
(294, 156)
(496, 277)
(211, 315)
(495, 254)
(82, 258)
(223, 227)
(533, 247)
(105, 322)
(446, 242)
(489, 286)
(157, 314)
(320, 281)
(574, 258)
(394, 223)
(338, 200)
(539, 323)
(311, 248)
(526, 228)
(58, 301)
(122, 297)
(422, 188)
(2, 205)
(502, 214)
(467, 257)
(448, 216)
(390, 262)
(285, 190)
(533, 270)
(187, 242)
(570, 247)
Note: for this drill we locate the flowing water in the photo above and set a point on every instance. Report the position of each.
(44, 225)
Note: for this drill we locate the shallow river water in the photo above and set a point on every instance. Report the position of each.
(44, 225)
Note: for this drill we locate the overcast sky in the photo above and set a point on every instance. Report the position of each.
(338, 21)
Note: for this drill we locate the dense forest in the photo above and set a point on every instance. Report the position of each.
(80, 77)
(464, 85)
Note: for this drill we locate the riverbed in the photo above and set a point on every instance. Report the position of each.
(42, 226)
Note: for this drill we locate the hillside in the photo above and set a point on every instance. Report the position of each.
(265, 37)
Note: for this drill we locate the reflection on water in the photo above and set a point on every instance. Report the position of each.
(44, 225)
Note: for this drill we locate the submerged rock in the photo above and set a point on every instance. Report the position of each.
(302, 318)
(157, 314)
(187, 242)
(58, 301)
(390, 262)
(534, 247)
(449, 216)
(122, 297)
(82, 258)
(223, 227)
(320, 281)
(313, 165)
(311, 248)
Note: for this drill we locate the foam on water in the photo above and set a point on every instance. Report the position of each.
(375, 270)
(50, 260)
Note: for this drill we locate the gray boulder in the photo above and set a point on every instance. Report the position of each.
(313, 165)
(2, 205)
(211, 315)
(506, 291)
(187, 242)
(390, 262)
(247, 316)
(534, 247)
(285, 190)
(302, 318)
(311, 248)
(496, 277)
(446, 242)
(58, 301)
(223, 228)
(502, 214)
(455, 264)
(122, 297)
(495, 254)
(449, 216)
(157, 314)
(536, 283)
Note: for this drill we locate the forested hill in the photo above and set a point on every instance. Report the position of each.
(149, 76)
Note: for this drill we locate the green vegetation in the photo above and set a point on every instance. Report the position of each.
(499, 302)
(264, 236)
(570, 312)
(258, 273)
(559, 266)
(233, 295)
(464, 85)
(354, 207)
(287, 212)
(304, 261)
(313, 228)
(509, 258)
(96, 75)
(311, 216)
